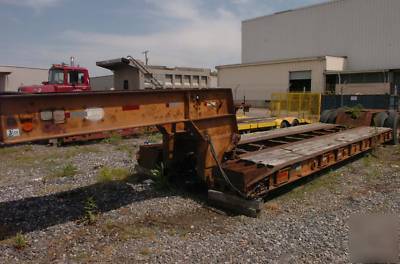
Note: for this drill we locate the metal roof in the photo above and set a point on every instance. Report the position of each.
(316, 58)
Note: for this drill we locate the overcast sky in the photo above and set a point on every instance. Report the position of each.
(201, 33)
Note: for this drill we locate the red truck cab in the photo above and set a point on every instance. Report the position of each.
(62, 78)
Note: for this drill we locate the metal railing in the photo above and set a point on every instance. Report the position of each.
(301, 105)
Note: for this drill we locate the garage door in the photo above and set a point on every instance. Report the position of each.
(300, 81)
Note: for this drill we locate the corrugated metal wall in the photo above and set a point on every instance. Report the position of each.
(365, 30)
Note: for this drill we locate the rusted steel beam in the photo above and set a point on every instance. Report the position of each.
(42, 116)
(201, 115)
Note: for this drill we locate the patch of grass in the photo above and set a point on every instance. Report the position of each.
(74, 151)
(272, 207)
(53, 188)
(67, 171)
(90, 217)
(154, 137)
(19, 241)
(327, 182)
(145, 252)
(127, 231)
(15, 149)
(114, 139)
(107, 174)
(367, 160)
(126, 148)
(160, 178)
(373, 174)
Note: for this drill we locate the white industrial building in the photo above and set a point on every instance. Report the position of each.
(13, 77)
(341, 46)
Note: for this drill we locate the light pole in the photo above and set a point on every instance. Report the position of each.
(146, 52)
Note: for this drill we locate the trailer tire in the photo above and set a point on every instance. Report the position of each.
(380, 118)
(285, 124)
(325, 116)
(332, 116)
(393, 122)
(295, 122)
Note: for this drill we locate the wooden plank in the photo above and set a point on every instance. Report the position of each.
(290, 153)
(259, 136)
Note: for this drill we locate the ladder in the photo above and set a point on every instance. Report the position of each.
(148, 75)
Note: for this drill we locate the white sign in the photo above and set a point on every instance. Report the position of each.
(13, 132)
(94, 114)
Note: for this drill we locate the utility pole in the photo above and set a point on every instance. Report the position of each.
(146, 52)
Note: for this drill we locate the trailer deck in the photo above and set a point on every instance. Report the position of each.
(200, 131)
(256, 172)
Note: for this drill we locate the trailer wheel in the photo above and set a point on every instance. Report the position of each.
(325, 116)
(295, 122)
(332, 116)
(393, 122)
(380, 118)
(285, 124)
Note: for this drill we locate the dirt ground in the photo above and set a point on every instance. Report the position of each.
(83, 204)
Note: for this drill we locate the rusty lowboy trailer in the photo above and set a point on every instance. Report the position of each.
(199, 129)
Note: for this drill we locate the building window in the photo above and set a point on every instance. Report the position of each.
(204, 81)
(126, 85)
(178, 80)
(168, 80)
(186, 80)
(196, 81)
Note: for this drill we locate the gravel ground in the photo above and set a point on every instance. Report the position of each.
(57, 207)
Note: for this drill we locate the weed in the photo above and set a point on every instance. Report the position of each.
(51, 189)
(114, 139)
(126, 148)
(107, 174)
(14, 150)
(139, 232)
(154, 138)
(273, 207)
(367, 161)
(90, 211)
(160, 178)
(373, 174)
(27, 148)
(109, 226)
(355, 111)
(145, 251)
(74, 151)
(20, 241)
(328, 182)
(68, 170)
(126, 231)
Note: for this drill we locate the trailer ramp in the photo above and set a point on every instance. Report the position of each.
(256, 173)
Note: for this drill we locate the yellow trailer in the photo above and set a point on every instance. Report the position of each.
(287, 109)
(254, 124)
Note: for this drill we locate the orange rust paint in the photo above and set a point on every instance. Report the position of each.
(282, 176)
(27, 126)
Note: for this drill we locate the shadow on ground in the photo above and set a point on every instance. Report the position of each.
(38, 213)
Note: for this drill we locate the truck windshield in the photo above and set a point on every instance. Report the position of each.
(56, 76)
